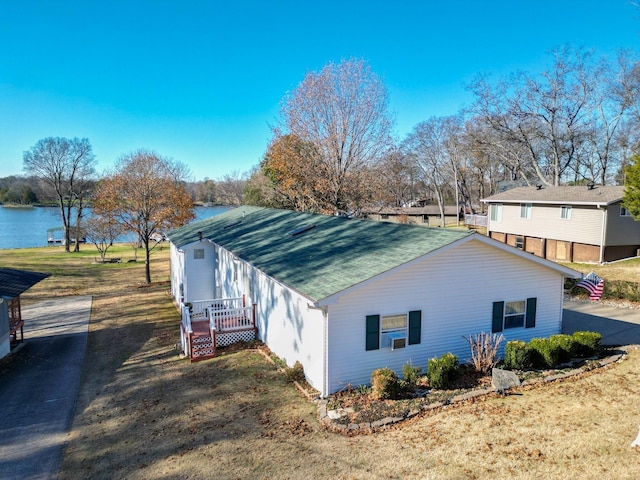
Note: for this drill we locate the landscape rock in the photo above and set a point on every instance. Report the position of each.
(503, 380)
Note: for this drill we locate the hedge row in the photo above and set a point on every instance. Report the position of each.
(552, 351)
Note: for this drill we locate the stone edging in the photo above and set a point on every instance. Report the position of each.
(371, 427)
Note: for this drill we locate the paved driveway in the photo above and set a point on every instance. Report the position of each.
(39, 386)
(618, 326)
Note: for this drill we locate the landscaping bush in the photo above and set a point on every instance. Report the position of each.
(295, 374)
(441, 371)
(543, 353)
(566, 346)
(516, 355)
(410, 373)
(385, 384)
(484, 350)
(587, 344)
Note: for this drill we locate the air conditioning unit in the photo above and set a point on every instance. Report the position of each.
(395, 340)
(399, 342)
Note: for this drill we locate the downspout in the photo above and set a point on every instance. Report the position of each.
(325, 361)
(603, 233)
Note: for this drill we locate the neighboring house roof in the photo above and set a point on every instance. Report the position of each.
(426, 210)
(567, 195)
(336, 254)
(14, 282)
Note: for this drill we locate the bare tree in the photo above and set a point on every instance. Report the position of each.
(66, 165)
(342, 111)
(434, 146)
(146, 194)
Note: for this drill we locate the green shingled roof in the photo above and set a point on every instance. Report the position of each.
(334, 255)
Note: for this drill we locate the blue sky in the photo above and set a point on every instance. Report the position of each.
(201, 81)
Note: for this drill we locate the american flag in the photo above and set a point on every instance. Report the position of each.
(593, 284)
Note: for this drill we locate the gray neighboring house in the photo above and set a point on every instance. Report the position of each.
(425, 215)
(568, 224)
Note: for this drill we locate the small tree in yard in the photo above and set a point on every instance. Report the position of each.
(484, 350)
(146, 195)
(102, 231)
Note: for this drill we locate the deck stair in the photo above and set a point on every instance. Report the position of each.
(201, 341)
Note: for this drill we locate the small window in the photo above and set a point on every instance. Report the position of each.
(520, 243)
(525, 210)
(384, 216)
(514, 314)
(624, 212)
(565, 212)
(496, 212)
(393, 331)
(198, 253)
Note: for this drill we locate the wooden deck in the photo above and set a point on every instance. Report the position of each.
(208, 325)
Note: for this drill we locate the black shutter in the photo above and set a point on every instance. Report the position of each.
(531, 312)
(498, 317)
(373, 332)
(415, 327)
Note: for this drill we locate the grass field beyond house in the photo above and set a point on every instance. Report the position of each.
(145, 413)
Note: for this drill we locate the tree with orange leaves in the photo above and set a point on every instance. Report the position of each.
(147, 196)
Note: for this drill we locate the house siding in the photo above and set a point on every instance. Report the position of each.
(455, 291)
(291, 329)
(177, 271)
(622, 231)
(584, 226)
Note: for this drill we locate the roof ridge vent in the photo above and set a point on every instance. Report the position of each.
(539, 186)
(300, 230)
(591, 185)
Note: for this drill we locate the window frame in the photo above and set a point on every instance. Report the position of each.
(411, 330)
(624, 212)
(565, 212)
(198, 253)
(526, 209)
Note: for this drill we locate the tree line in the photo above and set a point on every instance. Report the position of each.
(334, 152)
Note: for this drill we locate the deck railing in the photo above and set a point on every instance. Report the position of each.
(228, 319)
(187, 331)
(475, 220)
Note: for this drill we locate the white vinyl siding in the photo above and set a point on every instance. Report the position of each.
(292, 330)
(584, 227)
(455, 291)
(195, 274)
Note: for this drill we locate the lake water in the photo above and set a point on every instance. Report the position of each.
(27, 227)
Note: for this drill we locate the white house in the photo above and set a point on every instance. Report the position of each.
(347, 296)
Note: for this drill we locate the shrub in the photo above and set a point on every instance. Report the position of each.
(384, 384)
(295, 373)
(565, 345)
(587, 344)
(410, 373)
(484, 350)
(517, 355)
(543, 352)
(441, 371)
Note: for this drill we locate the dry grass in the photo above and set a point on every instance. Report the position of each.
(143, 413)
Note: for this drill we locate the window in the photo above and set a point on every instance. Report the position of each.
(384, 216)
(496, 212)
(520, 243)
(624, 212)
(565, 212)
(525, 210)
(514, 314)
(389, 330)
(198, 253)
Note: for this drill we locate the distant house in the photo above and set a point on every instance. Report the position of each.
(347, 296)
(12, 284)
(569, 224)
(425, 215)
